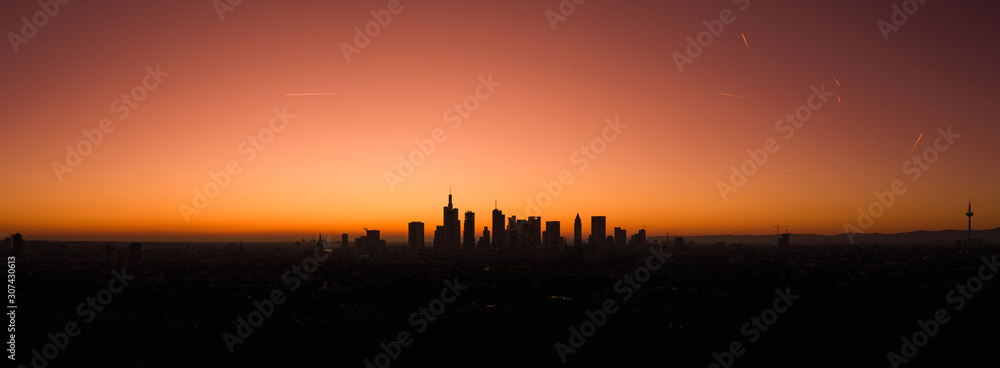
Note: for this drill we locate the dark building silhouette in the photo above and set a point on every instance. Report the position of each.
(469, 241)
(639, 239)
(452, 228)
(320, 244)
(523, 233)
(534, 232)
(374, 242)
(598, 232)
(134, 254)
(484, 242)
(516, 229)
(553, 235)
(498, 227)
(416, 236)
(343, 240)
(511, 239)
(783, 240)
(109, 254)
(620, 237)
(439, 238)
(578, 232)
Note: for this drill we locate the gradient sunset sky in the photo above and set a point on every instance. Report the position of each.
(325, 171)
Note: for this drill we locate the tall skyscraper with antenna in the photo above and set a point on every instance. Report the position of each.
(452, 227)
(577, 232)
(498, 227)
(469, 236)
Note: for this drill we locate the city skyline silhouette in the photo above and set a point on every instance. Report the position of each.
(544, 183)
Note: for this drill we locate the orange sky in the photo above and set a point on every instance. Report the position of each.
(325, 170)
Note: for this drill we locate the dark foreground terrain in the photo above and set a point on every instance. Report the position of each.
(708, 304)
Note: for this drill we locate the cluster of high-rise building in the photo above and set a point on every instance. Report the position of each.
(510, 233)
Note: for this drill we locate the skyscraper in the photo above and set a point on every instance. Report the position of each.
(343, 240)
(374, 242)
(469, 241)
(621, 238)
(639, 239)
(416, 236)
(515, 228)
(498, 227)
(439, 239)
(452, 228)
(533, 232)
(523, 235)
(486, 238)
(598, 231)
(577, 232)
(552, 234)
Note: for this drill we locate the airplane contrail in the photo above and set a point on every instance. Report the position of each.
(746, 43)
(835, 80)
(731, 95)
(360, 93)
(915, 143)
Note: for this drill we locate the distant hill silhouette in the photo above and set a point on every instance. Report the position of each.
(921, 237)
